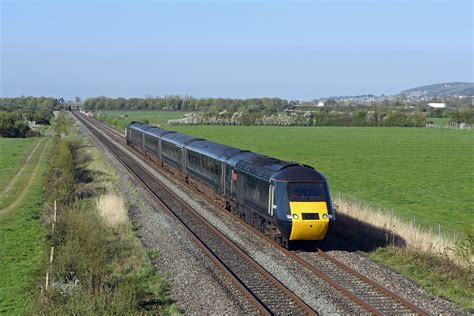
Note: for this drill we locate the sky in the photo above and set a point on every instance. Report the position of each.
(241, 49)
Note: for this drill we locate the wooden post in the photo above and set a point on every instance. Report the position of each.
(51, 254)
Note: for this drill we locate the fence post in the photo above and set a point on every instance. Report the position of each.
(51, 254)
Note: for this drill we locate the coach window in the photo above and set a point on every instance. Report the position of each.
(256, 191)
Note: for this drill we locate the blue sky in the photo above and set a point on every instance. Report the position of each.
(288, 49)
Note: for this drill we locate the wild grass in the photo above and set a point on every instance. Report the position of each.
(404, 234)
(99, 266)
(100, 270)
(433, 273)
(111, 208)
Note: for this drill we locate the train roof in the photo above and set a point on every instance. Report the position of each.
(299, 173)
(178, 139)
(263, 167)
(157, 132)
(213, 150)
(139, 126)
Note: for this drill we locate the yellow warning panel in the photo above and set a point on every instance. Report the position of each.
(310, 220)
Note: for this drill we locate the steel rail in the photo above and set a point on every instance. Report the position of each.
(310, 267)
(372, 283)
(263, 309)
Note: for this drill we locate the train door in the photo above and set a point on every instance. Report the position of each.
(159, 149)
(271, 199)
(223, 175)
(184, 159)
(239, 185)
(233, 182)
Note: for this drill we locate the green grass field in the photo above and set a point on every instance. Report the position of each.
(21, 233)
(417, 172)
(13, 151)
(154, 117)
(440, 121)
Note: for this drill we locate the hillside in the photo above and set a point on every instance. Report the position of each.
(441, 89)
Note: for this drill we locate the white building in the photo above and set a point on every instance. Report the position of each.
(437, 105)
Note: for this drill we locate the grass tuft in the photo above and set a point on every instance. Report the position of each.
(111, 208)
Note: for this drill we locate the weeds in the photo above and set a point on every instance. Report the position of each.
(112, 209)
(99, 266)
(434, 273)
(409, 236)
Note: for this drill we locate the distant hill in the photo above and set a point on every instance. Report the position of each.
(442, 89)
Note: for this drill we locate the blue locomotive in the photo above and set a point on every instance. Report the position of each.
(284, 200)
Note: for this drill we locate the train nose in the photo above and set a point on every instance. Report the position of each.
(310, 220)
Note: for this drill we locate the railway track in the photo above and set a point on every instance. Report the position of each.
(262, 290)
(365, 292)
(370, 295)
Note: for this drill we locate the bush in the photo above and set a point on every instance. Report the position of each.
(322, 117)
(12, 124)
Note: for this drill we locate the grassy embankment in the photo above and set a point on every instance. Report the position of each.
(99, 266)
(393, 178)
(21, 230)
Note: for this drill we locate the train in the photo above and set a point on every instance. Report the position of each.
(287, 201)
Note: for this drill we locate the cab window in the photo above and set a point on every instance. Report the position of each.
(305, 191)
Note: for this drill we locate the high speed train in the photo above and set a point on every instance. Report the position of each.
(284, 200)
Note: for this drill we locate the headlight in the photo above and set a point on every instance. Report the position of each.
(325, 216)
(295, 216)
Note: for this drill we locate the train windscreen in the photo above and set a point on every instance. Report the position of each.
(305, 191)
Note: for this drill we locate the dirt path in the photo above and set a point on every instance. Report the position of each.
(19, 172)
(21, 196)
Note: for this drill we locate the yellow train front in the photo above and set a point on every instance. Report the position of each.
(302, 203)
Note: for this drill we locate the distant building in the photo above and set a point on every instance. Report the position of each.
(320, 103)
(437, 105)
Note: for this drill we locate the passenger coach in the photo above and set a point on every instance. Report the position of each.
(285, 200)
